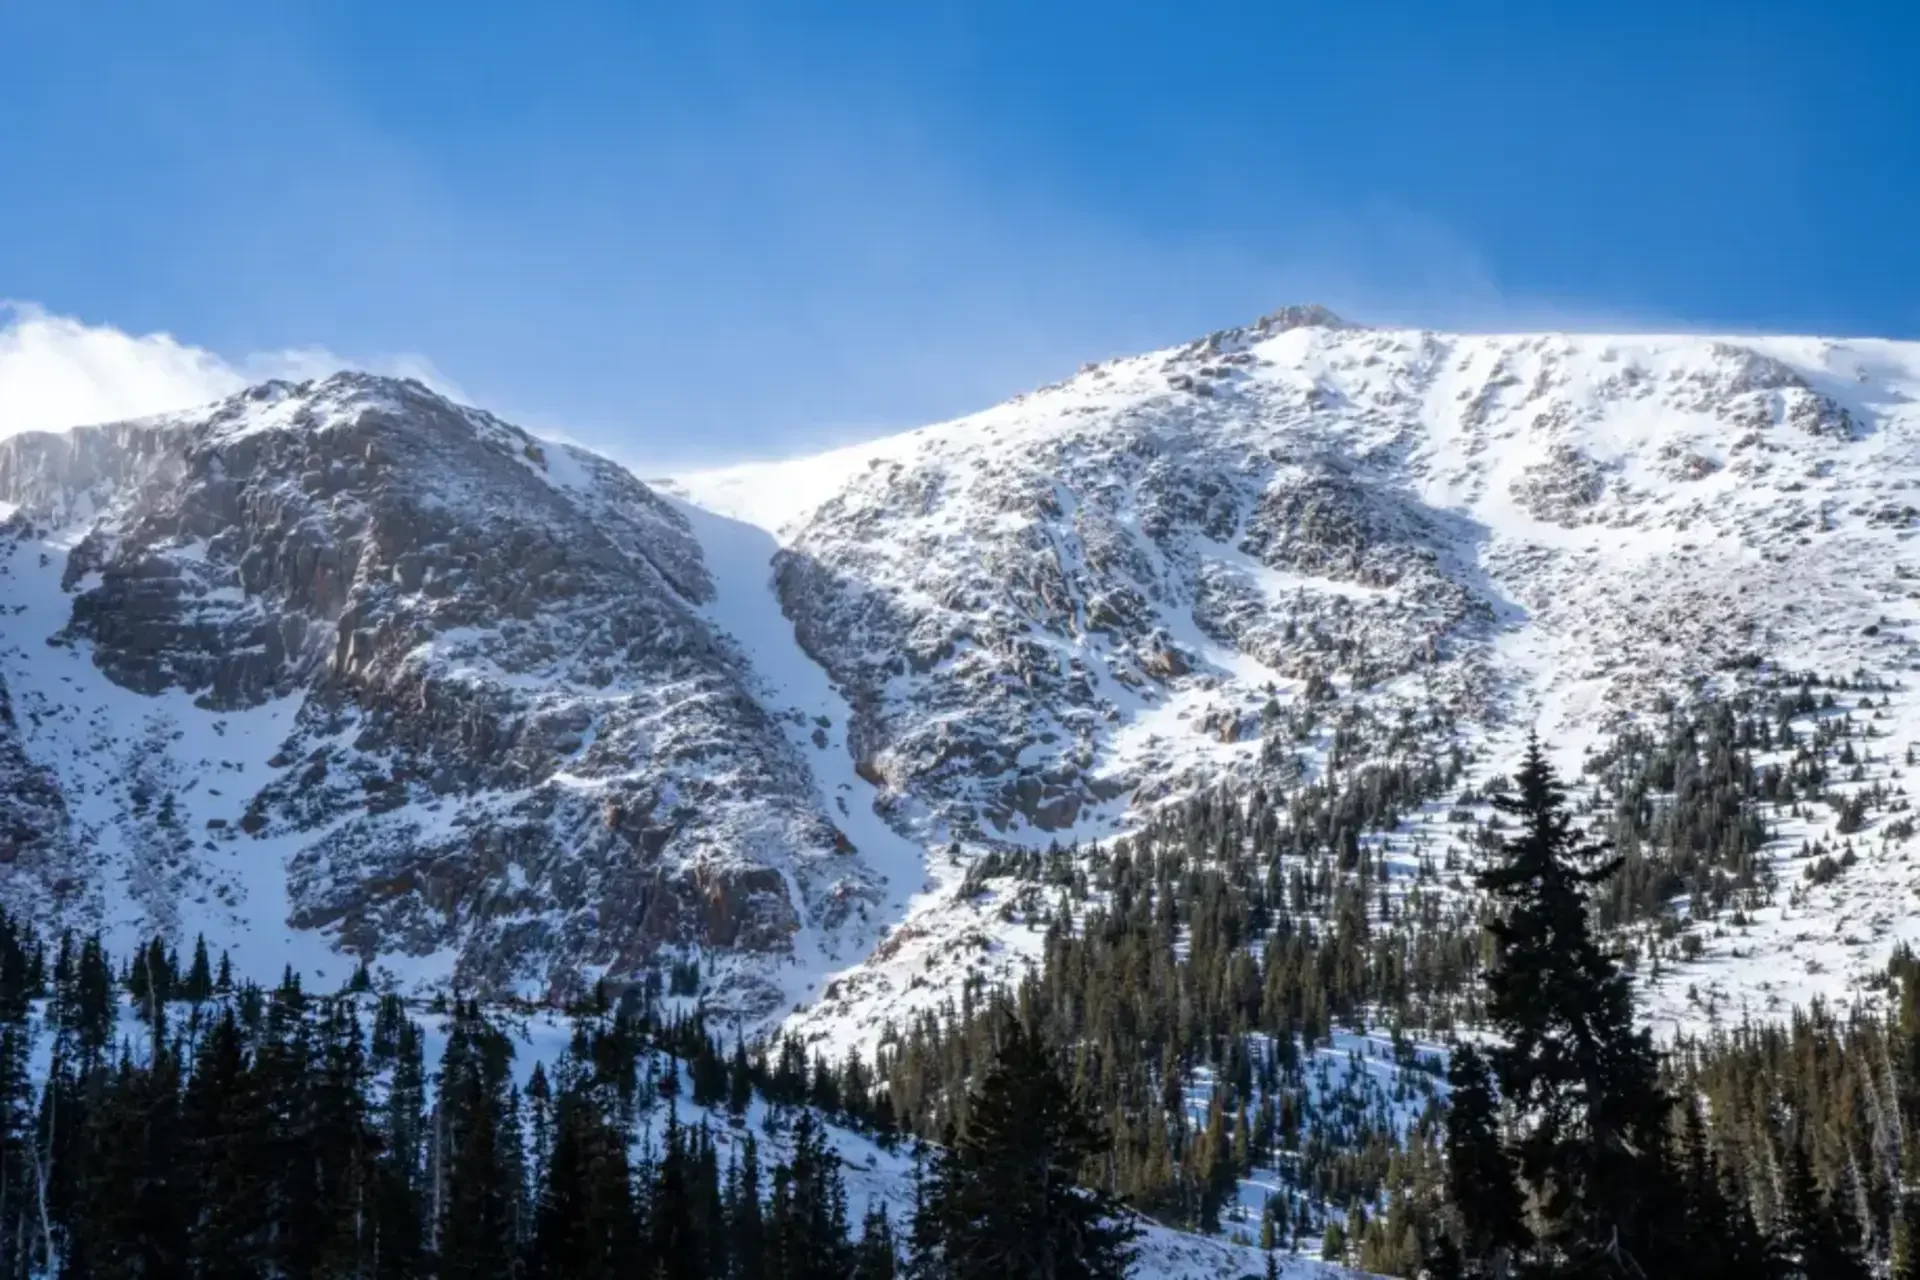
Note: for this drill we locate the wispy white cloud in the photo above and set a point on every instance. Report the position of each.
(56, 371)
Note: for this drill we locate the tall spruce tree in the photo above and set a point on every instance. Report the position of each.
(806, 1221)
(1580, 1078)
(876, 1257)
(225, 1156)
(1817, 1237)
(1007, 1198)
(399, 1203)
(586, 1227)
(746, 1234)
(1490, 1226)
(1727, 1244)
(478, 1186)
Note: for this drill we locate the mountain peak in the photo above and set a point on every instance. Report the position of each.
(1303, 315)
(320, 403)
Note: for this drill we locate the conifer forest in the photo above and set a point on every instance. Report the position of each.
(1233, 1028)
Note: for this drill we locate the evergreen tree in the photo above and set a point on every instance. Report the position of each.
(585, 1226)
(1480, 1182)
(345, 1147)
(130, 1221)
(739, 1082)
(746, 1234)
(399, 1211)
(476, 1183)
(199, 982)
(806, 1221)
(1725, 1243)
(1006, 1198)
(678, 1246)
(1817, 1238)
(226, 1117)
(876, 1257)
(19, 984)
(1579, 1075)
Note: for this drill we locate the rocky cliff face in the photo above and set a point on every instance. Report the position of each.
(1300, 531)
(33, 812)
(509, 738)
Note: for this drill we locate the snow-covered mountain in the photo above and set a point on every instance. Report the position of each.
(1287, 551)
(347, 668)
(344, 667)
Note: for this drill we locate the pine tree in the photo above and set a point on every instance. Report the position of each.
(1817, 1236)
(1572, 1065)
(586, 1226)
(746, 1233)
(806, 1222)
(1480, 1183)
(1006, 1198)
(284, 1067)
(226, 1118)
(478, 1186)
(345, 1145)
(876, 1257)
(399, 1207)
(130, 1220)
(710, 1075)
(199, 983)
(1725, 1243)
(676, 1243)
(18, 986)
(739, 1082)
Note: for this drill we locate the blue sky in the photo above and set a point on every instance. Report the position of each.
(707, 231)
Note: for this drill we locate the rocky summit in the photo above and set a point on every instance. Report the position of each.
(348, 661)
(355, 673)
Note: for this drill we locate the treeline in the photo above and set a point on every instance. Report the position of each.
(1817, 1120)
(155, 1123)
(1184, 1049)
(1192, 976)
(188, 1126)
(1685, 805)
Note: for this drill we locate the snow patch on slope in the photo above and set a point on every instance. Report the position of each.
(173, 860)
(815, 717)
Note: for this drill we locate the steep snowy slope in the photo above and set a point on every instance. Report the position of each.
(345, 667)
(1286, 551)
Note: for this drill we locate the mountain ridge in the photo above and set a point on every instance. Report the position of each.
(1265, 557)
(1420, 542)
(459, 641)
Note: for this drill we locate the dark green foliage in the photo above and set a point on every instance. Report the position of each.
(1175, 1038)
(1486, 1201)
(1006, 1199)
(806, 1220)
(474, 1170)
(257, 1135)
(1256, 987)
(1817, 1237)
(876, 1257)
(1572, 1066)
(199, 980)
